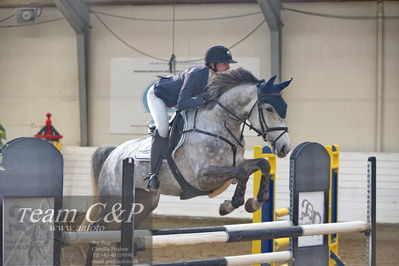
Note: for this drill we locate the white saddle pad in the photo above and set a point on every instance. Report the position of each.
(143, 152)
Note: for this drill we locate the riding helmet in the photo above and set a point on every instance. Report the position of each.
(218, 54)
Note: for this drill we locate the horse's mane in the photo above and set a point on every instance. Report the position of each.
(224, 81)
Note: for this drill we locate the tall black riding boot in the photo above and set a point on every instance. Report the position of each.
(158, 149)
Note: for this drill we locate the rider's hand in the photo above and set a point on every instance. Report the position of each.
(206, 98)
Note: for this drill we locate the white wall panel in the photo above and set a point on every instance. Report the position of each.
(352, 193)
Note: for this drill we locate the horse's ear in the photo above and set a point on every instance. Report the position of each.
(283, 85)
(270, 81)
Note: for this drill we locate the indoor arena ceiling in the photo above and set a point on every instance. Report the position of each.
(44, 3)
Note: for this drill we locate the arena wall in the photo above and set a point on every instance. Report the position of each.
(333, 62)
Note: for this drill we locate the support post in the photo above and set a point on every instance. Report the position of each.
(82, 42)
(77, 14)
(379, 127)
(127, 227)
(271, 10)
(333, 239)
(266, 212)
(371, 210)
(275, 41)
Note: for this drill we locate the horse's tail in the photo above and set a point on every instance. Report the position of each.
(97, 160)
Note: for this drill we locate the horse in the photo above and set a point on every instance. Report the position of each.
(212, 153)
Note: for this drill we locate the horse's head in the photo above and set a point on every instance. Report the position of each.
(268, 115)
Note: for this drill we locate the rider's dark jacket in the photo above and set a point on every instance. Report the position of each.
(182, 90)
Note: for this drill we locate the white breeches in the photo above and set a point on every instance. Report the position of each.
(159, 112)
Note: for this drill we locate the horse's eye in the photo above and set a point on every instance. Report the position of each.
(269, 109)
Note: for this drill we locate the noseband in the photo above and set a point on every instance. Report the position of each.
(263, 131)
(264, 128)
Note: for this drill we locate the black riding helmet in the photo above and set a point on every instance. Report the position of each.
(218, 54)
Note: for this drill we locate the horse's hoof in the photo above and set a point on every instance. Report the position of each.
(252, 205)
(225, 208)
(265, 197)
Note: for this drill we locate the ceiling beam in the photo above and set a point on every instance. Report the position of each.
(49, 3)
(76, 12)
(271, 10)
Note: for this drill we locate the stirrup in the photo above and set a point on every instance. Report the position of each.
(153, 183)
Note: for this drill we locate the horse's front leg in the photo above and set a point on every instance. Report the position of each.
(220, 174)
(249, 167)
(253, 204)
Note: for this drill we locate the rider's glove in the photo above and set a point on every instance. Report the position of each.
(206, 98)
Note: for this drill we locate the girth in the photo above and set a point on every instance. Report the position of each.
(188, 191)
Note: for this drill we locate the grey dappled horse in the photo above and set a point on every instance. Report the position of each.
(208, 162)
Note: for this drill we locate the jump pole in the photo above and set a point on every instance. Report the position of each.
(236, 260)
(115, 236)
(250, 235)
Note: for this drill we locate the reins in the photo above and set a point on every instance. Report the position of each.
(262, 132)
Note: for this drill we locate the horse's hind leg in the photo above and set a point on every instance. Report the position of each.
(215, 176)
(253, 204)
(147, 202)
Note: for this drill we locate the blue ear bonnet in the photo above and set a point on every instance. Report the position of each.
(270, 93)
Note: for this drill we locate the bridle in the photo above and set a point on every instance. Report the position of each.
(263, 131)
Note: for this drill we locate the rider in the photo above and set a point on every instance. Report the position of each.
(183, 92)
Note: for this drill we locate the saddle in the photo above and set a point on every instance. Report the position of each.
(176, 139)
(176, 127)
